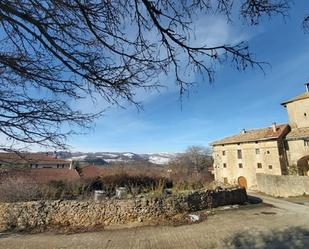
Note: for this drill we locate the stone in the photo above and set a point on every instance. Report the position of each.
(43, 215)
(194, 217)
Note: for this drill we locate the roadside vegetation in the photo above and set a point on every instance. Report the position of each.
(190, 170)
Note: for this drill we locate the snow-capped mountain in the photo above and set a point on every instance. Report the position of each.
(161, 158)
(110, 157)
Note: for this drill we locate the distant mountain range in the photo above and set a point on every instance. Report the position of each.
(110, 157)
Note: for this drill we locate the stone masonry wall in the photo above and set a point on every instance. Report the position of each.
(283, 186)
(44, 215)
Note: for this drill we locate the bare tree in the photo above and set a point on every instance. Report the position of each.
(199, 157)
(194, 159)
(54, 52)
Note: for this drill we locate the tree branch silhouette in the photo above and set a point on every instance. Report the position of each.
(70, 50)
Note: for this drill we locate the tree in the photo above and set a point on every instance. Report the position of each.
(194, 159)
(199, 157)
(55, 52)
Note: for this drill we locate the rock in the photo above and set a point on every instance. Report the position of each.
(194, 217)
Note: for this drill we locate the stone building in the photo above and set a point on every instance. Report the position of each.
(275, 150)
(31, 160)
(297, 148)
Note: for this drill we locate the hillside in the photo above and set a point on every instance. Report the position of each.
(111, 157)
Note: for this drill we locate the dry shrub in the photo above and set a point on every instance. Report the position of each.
(137, 178)
(135, 184)
(63, 190)
(140, 178)
(190, 180)
(14, 189)
(17, 189)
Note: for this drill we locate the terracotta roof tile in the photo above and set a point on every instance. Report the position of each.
(40, 175)
(304, 95)
(255, 135)
(92, 171)
(30, 158)
(298, 133)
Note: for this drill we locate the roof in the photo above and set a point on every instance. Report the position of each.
(92, 171)
(44, 175)
(298, 133)
(304, 95)
(255, 135)
(16, 157)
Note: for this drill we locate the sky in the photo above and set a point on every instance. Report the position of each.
(236, 100)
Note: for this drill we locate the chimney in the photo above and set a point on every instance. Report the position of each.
(307, 87)
(243, 131)
(274, 127)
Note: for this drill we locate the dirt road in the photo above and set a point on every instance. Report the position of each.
(258, 226)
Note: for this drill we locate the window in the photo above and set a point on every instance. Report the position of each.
(224, 165)
(36, 165)
(225, 180)
(305, 114)
(240, 165)
(270, 166)
(257, 151)
(268, 152)
(259, 165)
(256, 142)
(223, 153)
(306, 142)
(239, 154)
(57, 165)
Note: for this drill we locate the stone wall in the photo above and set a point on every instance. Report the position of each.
(297, 150)
(283, 186)
(45, 215)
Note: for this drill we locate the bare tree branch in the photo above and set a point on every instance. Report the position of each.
(53, 53)
(306, 24)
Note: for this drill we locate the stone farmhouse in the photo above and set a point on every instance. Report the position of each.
(276, 150)
(31, 160)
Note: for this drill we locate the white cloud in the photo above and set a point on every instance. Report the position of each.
(215, 30)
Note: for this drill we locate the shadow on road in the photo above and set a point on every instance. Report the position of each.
(294, 237)
(254, 200)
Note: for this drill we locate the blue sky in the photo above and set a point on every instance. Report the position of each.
(235, 101)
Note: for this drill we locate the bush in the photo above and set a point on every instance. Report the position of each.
(21, 189)
(62, 190)
(190, 180)
(135, 184)
(137, 179)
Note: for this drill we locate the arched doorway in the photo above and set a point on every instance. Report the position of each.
(303, 166)
(242, 182)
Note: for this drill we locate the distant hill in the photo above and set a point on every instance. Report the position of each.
(112, 157)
